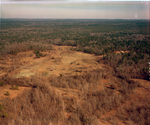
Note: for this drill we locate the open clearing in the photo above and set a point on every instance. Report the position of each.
(59, 61)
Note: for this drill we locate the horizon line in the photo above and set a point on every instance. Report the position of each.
(77, 18)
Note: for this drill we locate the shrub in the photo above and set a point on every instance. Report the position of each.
(60, 75)
(2, 113)
(14, 87)
(5, 114)
(1, 107)
(38, 53)
(1, 84)
(13, 52)
(7, 93)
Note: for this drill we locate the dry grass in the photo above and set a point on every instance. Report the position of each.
(137, 111)
(41, 105)
(69, 100)
(81, 99)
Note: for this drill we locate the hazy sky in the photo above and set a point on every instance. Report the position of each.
(76, 9)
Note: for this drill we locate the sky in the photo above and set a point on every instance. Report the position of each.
(75, 9)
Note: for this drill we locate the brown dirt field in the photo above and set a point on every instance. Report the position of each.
(60, 60)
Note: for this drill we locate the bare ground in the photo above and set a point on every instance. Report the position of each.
(60, 60)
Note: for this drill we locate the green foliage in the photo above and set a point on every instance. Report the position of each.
(5, 115)
(2, 112)
(38, 53)
(129, 65)
(1, 107)
(1, 84)
(7, 93)
(14, 87)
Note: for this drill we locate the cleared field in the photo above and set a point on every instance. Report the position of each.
(59, 61)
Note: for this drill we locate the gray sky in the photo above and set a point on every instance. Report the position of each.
(76, 9)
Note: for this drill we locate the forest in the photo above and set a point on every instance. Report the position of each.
(99, 37)
(112, 55)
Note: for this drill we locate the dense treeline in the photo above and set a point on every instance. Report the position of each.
(133, 64)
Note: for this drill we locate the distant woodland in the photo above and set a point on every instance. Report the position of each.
(99, 37)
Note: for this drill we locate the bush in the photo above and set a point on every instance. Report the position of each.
(7, 93)
(14, 87)
(1, 84)
(1, 107)
(5, 114)
(38, 53)
(2, 113)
